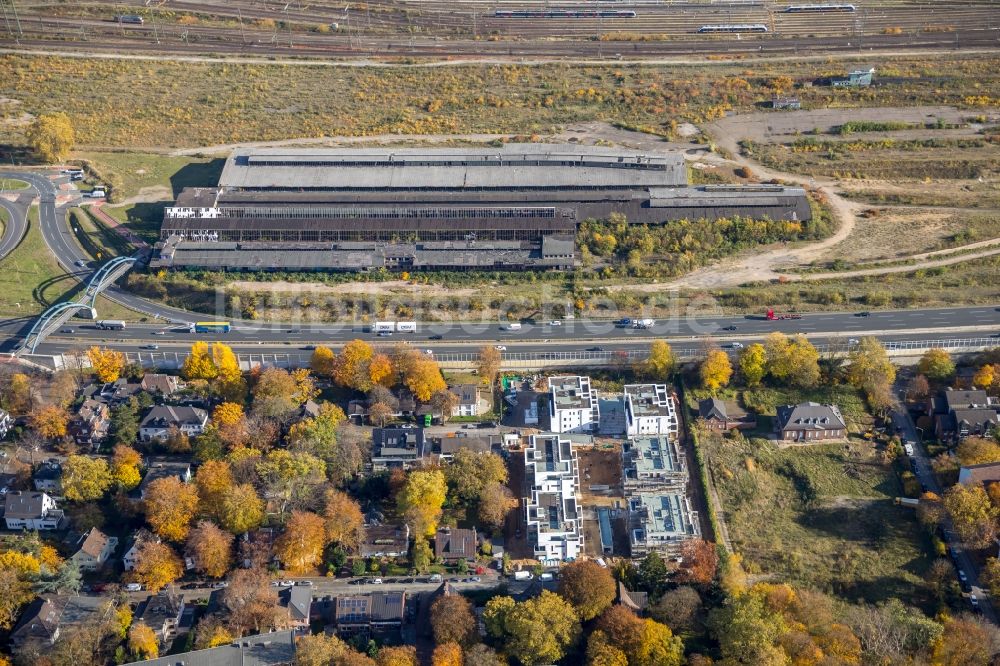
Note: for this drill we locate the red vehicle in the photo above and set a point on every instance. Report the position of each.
(778, 317)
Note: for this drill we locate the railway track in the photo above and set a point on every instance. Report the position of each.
(454, 28)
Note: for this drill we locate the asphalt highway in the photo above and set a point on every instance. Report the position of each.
(16, 227)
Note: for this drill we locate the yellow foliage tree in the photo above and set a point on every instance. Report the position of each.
(305, 386)
(49, 421)
(107, 363)
(449, 654)
(142, 641)
(424, 379)
(25, 565)
(345, 523)
(170, 506)
(157, 565)
(300, 546)
(51, 136)
(661, 362)
(402, 655)
(985, 376)
(351, 367)
(242, 509)
(421, 499)
(715, 370)
(227, 414)
(199, 363)
(211, 549)
(17, 394)
(753, 363)
(214, 481)
(322, 361)
(85, 478)
(380, 370)
(125, 467)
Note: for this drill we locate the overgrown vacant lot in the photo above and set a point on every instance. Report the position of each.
(819, 515)
(159, 104)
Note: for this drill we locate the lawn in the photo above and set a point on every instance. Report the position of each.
(95, 238)
(31, 279)
(11, 184)
(820, 516)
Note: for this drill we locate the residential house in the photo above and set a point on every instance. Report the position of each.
(158, 423)
(93, 549)
(809, 422)
(161, 469)
(274, 649)
(573, 406)
(48, 477)
(661, 523)
(38, 626)
(552, 477)
(46, 619)
(298, 600)
(715, 414)
(117, 392)
(469, 401)
(650, 410)
(162, 613)
(135, 544)
(32, 511)
(6, 423)
(164, 385)
(257, 547)
(379, 613)
(450, 444)
(453, 544)
(397, 447)
(386, 541)
(634, 600)
(962, 413)
(654, 463)
(984, 473)
(91, 424)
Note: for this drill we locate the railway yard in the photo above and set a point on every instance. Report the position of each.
(433, 28)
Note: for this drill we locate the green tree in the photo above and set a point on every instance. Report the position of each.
(793, 360)
(652, 573)
(470, 472)
(51, 136)
(936, 364)
(753, 363)
(748, 631)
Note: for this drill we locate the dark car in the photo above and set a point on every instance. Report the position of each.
(309, 347)
(863, 314)
(729, 328)
(595, 349)
(436, 337)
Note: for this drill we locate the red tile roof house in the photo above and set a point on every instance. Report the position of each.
(94, 549)
(809, 422)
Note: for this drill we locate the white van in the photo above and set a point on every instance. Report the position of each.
(97, 193)
(406, 326)
(511, 327)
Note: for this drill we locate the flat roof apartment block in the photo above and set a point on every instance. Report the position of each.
(650, 410)
(573, 406)
(661, 523)
(654, 463)
(552, 476)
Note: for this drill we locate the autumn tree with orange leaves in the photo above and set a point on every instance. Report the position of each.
(300, 546)
(157, 565)
(211, 549)
(170, 506)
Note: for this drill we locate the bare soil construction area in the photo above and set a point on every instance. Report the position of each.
(400, 287)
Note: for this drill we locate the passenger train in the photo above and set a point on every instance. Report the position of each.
(564, 13)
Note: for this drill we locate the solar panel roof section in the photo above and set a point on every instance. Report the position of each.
(512, 165)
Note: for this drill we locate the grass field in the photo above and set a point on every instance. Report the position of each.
(31, 280)
(96, 239)
(11, 184)
(135, 104)
(820, 516)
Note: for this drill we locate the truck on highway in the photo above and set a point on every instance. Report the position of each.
(771, 316)
(384, 327)
(111, 325)
(643, 323)
(406, 327)
(211, 327)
